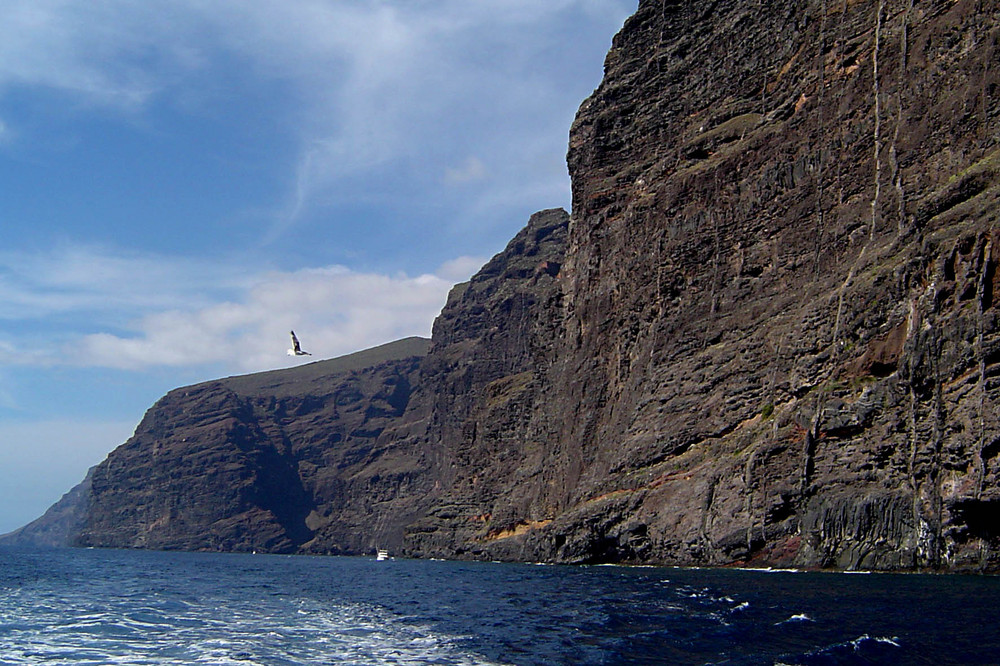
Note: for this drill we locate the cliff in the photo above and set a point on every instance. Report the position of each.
(767, 335)
(777, 331)
(781, 313)
(337, 456)
(280, 461)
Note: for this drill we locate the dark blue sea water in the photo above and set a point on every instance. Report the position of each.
(128, 607)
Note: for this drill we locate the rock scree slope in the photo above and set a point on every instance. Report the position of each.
(767, 335)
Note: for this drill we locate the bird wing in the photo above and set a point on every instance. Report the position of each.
(295, 342)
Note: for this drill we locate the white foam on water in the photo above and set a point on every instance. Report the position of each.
(289, 631)
(859, 641)
(800, 617)
(768, 570)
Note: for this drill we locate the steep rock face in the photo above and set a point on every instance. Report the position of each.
(341, 456)
(484, 384)
(781, 328)
(281, 461)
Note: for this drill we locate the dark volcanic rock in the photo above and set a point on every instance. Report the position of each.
(778, 303)
(768, 335)
(780, 287)
(282, 461)
(485, 380)
(339, 456)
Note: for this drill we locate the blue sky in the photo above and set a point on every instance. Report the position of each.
(183, 182)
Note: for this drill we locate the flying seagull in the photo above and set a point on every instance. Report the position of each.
(296, 350)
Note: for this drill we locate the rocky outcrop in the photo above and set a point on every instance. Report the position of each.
(768, 334)
(283, 461)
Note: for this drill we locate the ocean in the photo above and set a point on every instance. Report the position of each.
(133, 607)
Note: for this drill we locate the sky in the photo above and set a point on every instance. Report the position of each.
(182, 182)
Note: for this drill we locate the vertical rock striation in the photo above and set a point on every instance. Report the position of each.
(778, 317)
(781, 325)
(486, 382)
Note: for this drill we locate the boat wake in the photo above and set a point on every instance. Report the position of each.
(268, 631)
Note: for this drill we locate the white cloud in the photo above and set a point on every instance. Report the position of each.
(334, 310)
(99, 308)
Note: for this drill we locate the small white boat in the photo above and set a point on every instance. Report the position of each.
(381, 554)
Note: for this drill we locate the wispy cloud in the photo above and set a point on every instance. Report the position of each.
(92, 278)
(470, 171)
(370, 86)
(86, 308)
(436, 90)
(76, 48)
